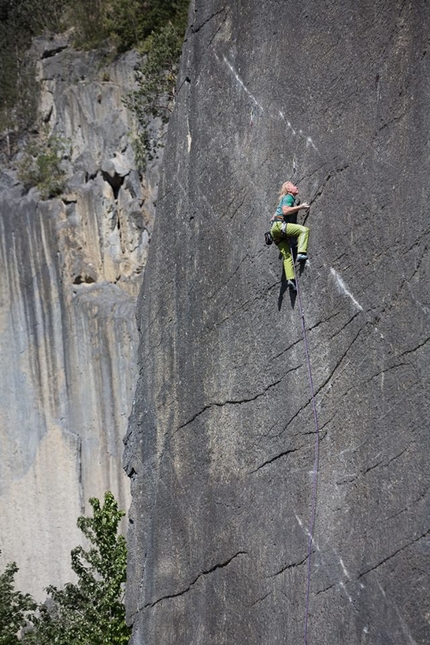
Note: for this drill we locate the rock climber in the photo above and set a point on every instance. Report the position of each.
(281, 229)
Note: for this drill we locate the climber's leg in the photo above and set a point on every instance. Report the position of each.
(284, 248)
(302, 235)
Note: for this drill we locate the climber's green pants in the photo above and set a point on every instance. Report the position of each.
(281, 239)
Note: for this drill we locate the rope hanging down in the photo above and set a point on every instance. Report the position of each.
(316, 458)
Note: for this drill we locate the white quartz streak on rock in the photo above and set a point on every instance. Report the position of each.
(344, 288)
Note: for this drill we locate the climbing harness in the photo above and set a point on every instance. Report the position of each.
(316, 459)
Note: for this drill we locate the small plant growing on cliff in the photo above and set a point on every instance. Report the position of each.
(40, 166)
(92, 610)
(14, 607)
(156, 83)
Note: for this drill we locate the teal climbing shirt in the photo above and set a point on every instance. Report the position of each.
(286, 200)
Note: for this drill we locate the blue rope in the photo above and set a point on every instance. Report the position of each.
(316, 458)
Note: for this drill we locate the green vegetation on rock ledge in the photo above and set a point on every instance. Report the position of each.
(40, 166)
(89, 611)
(156, 81)
(115, 25)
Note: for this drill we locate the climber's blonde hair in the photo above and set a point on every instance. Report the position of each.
(287, 187)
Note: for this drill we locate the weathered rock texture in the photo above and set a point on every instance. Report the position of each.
(220, 448)
(70, 273)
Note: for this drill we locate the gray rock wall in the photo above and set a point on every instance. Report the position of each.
(71, 269)
(220, 449)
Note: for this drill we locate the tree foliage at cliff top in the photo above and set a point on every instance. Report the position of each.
(156, 84)
(20, 21)
(125, 23)
(118, 24)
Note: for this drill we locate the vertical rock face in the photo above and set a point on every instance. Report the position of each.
(221, 443)
(71, 269)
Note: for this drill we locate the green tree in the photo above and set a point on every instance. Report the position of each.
(90, 612)
(14, 607)
(20, 20)
(121, 23)
(156, 82)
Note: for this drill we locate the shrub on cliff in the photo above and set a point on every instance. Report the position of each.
(125, 23)
(40, 166)
(156, 83)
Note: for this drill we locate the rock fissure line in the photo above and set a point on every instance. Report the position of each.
(236, 210)
(311, 174)
(409, 506)
(353, 478)
(219, 27)
(222, 565)
(240, 308)
(241, 194)
(292, 565)
(195, 30)
(417, 268)
(357, 313)
(415, 349)
(256, 602)
(394, 119)
(390, 369)
(285, 453)
(287, 349)
(418, 240)
(370, 468)
(303, 407)
(392, 555)
(327, 320)
(317, 593)
(228, 402)
(339, 361)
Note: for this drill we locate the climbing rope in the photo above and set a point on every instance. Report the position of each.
(316, 458)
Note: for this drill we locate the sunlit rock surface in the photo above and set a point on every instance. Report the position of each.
(220, 449)
(70, 270)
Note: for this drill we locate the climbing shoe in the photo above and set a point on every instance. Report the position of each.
(268, 238)
(302, 257)
(292, 285)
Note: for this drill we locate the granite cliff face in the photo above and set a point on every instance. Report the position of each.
(71, 269)
(220, 448)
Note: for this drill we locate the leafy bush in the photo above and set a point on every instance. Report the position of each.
(14, 607)
(156, 83)
(92, 610)
(88, 612)
(124, 23)
(41, 166)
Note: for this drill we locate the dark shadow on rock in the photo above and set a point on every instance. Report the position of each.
(301, 266)
(293, 296)
(284, 287)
